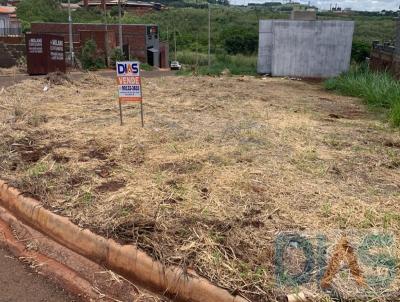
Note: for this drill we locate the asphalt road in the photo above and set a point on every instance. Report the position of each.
(19, 283)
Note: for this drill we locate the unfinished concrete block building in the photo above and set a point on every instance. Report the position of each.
(386, 56)
(298, 48)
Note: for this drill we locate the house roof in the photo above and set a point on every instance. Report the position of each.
(123, 2)
(73, 5)
(7, 9)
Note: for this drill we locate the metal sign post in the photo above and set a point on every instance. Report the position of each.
(120, 111)
(141, 104)
(129, 85)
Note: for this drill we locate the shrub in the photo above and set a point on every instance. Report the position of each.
(114, 11)
(90, 58)
(360, 51)
(240, 40)
(116, 55)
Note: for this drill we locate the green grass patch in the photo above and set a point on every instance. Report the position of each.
(146, 67)
(379, 90)
(197, 63)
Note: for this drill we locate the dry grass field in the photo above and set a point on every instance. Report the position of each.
(221, 167)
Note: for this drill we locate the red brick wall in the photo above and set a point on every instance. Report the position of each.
(134, 35)
(12, 40)
(164, 55)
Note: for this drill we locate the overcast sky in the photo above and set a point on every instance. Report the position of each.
(371, 5)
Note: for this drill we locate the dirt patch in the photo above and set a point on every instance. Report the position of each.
(392, 144)
(181, 167)
(99, 153)
(60, 158)
(111, 186)
(29, 150)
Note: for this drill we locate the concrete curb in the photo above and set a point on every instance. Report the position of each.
(62, 274)
(126, 260)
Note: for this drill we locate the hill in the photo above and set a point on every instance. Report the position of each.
(234, 29)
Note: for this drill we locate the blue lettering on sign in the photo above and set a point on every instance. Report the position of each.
(136, 88)
(127, 68)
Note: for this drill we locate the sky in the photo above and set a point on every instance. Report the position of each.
(370, 5)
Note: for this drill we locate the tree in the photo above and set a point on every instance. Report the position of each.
(90, 57)
(238, 39)
(40, 11)
(360, 50)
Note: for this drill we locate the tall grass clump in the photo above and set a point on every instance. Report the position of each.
(377, 89)
(220, 64)
(192, 58)
(235, 64)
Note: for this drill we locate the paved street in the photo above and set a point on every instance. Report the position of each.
(20, 284)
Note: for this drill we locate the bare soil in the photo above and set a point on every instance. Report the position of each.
(222, 166)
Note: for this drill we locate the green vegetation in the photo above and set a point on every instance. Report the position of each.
(146, 67)
(220, 64)
(39, 10)
(378, 90)
(360, 51)
(89, 57)
(50, 11)
(116, 55)
(234, 29)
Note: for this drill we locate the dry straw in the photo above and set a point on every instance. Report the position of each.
(222, 166)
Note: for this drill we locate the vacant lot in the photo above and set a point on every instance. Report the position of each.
(221, 167)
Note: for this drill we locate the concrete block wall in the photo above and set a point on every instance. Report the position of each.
(265, 47)
(315, 49)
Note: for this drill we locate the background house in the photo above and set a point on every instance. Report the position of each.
(140, 41)
(138, 7)
(9, 24)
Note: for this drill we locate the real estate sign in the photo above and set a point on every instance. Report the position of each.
(129, 85)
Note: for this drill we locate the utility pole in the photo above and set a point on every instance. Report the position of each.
(120, 26)
(209, 35)
(197, 51)
(106, 36)
(71, 40)
(175, 41)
